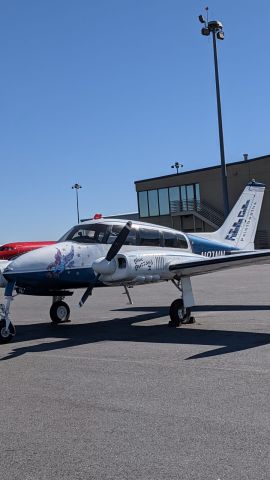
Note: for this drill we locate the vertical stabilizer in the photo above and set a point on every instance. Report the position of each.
(239, 228)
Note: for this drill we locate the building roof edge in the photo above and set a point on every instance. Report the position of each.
(200, 169)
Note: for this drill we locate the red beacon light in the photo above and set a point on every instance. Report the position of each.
(98, 216)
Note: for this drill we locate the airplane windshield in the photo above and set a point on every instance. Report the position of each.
(97, 233)
(94, 233)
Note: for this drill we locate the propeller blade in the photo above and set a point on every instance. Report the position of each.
(119, 241)
(115, 247)
(86, 294)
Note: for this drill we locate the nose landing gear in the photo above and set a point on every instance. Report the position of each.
(7, 329)
(59, 311)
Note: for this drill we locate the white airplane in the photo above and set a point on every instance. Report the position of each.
(108, 252)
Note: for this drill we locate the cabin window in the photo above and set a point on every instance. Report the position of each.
(149, 237)
(181, 241)
(116, 229)
(173, 240)
(169, 239)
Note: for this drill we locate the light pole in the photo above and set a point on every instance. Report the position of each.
(177, 166)
(77, 186)
(216, 28)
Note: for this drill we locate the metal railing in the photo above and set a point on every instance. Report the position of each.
(203, 208)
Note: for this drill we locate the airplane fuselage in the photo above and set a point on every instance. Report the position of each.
(145, 257)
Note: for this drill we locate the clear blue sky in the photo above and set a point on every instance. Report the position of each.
(106, 92)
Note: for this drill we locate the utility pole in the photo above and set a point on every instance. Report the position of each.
(77, 186)
(216, 28)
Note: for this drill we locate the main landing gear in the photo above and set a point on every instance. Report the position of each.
(59, 311)
(180, 309)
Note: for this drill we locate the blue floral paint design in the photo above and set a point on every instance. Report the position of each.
(61, 262)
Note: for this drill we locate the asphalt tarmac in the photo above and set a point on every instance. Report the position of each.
(116, 394)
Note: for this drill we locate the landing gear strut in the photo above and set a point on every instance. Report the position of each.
(180, 309)
(7, 329)
(59, 311)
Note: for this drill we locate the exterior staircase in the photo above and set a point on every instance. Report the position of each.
(202, 210)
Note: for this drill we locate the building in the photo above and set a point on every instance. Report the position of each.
(193, 200)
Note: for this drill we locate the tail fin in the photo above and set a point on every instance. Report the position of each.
(239, 228)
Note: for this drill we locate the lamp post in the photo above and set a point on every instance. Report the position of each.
(177, 166)
(216, 28)
(77, 186)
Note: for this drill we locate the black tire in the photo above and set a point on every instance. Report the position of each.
(59, 312)
(175, 309)
(6, 335)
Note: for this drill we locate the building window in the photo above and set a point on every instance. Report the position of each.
(153, 203)
(197, 195)
(183, 197)
(163, 196)
(190, 197)
(143, 204)
(174, 193)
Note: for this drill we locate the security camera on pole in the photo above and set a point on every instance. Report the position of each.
(216, 28)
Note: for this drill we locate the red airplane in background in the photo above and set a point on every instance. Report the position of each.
(9, 251)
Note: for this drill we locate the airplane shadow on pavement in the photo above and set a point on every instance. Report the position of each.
(128, 330)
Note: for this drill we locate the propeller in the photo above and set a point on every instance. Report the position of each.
(104, 265)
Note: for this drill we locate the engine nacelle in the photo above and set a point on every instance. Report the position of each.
(138, 269)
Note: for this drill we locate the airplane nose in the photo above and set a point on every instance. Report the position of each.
(34, 265)
(59, 266)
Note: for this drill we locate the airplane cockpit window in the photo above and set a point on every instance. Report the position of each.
(91, 233)
(149, 237)
(97, 233)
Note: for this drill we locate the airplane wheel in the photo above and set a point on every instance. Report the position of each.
(59, 312)
(179, 315)
(176, 313)
(6, 334)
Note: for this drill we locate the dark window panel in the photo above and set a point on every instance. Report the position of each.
(143, 204)
(149, 237)
(153, 203)
(163, 195)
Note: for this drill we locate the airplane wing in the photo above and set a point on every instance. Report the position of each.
(208, 265)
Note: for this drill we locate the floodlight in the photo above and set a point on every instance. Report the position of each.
(202, 19)
(215, 25)
(205, 31)
(220, 35)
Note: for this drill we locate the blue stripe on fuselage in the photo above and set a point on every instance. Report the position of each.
(70, 278)
(208, 248)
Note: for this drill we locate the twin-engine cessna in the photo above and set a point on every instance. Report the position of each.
(108, 252)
